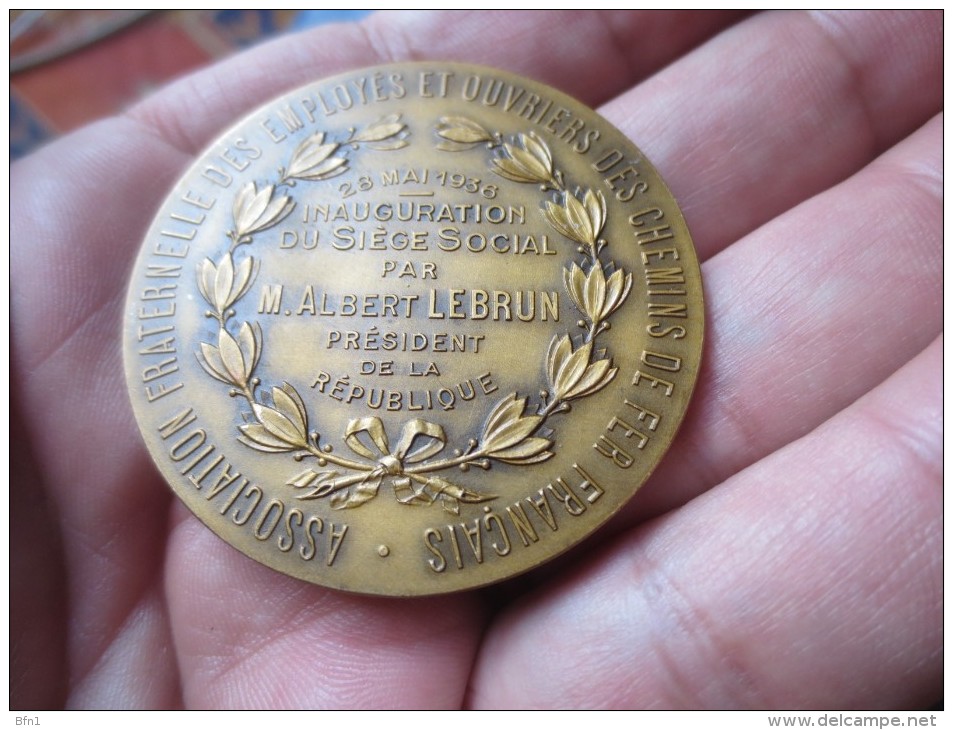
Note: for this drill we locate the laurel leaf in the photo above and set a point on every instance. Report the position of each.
(391, 144)
(242, 200)
(448, 146)
(256, 436)
(560, 349)
(596, 212)
(527, 452)
(556, 215)
(211, 361)
(597, 376)
(279, 426)
(538, 459)
(570, 371)
(254, 209)
(206, 279)
(328, 168)
(224, 278)
(249, 349)
(595, 292)
(276, 423)
(383, 128)
(376, 133)
(575, 280)
(312, 151)
(527, 161)
(507, 426)
(532, 167)
(275, 212)
(315, 140)
(289, 389)
(304, 479)
(311, 158)
(313, 494)
(508, 409)
(462, 131)
(256, 333)
(323, 483)
(578, 219)
(537, 149)
(232, 357)
(510, 434)
(511, 170)
(357, 495)
(290, 405)
(307, 147)
(244, 276)
(617, 289)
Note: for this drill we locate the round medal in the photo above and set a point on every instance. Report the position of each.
(413, 329)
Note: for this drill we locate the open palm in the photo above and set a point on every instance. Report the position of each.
(786, 553)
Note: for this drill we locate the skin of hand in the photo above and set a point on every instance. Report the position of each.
(786, 554)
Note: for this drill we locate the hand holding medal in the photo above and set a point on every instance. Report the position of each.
(799, 500)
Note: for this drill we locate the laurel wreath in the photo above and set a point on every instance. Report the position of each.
(514, 431)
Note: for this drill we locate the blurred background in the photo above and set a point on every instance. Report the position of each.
(70, 67)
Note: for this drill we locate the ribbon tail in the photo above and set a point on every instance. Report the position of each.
(408, 491)
(349, 481)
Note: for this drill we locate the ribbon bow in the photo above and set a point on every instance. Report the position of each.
(391, 463)
(419, 440)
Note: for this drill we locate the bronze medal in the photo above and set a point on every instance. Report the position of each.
(413, 329)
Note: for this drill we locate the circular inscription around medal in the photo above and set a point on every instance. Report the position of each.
(413, 329)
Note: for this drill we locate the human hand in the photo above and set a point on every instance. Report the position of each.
(787, 553)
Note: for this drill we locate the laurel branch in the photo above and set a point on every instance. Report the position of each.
(514, 431)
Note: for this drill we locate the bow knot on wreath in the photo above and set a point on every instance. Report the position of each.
(429, 436)
(418, 441)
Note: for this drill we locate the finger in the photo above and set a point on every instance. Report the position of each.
(38, 678)
(74, 242)
(808, 313)
(69, 265)
(607, 52)
(247, 637)
(811, 579)
(136, 670)
(780, 107)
